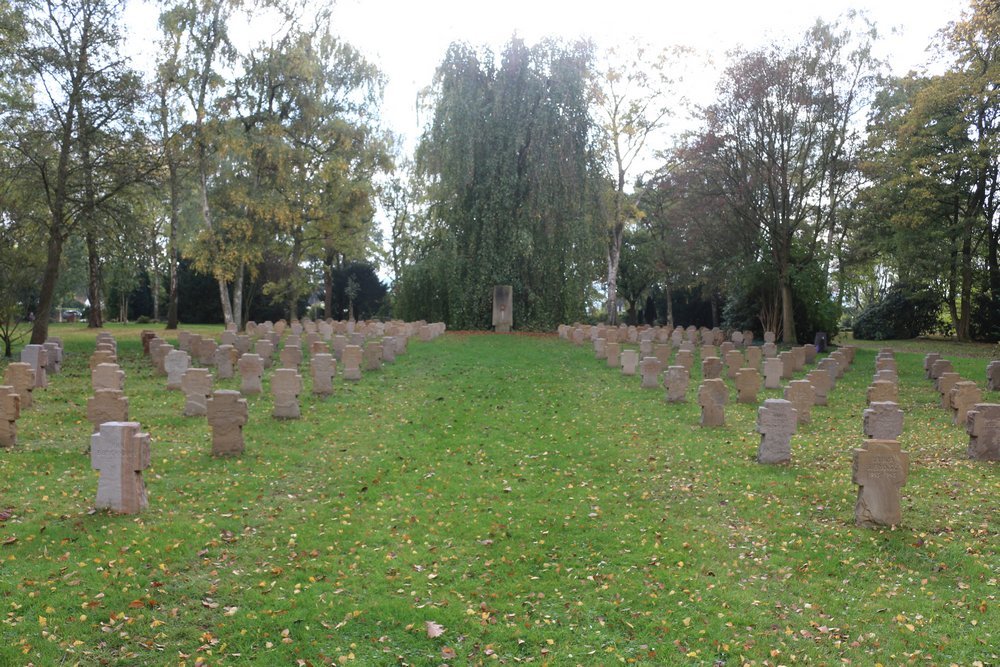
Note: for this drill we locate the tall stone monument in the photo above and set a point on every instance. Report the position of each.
(503, 308)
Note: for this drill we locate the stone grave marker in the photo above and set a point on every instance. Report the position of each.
(264, 349)
(251, 370)
(352, 362)
(769, 350)
(226, 357)
(831, 366)
(734, 362)
(810, 352)
(21, 377)
(227, 415)
(802, 395)
(146, 336)
(372, 356)
(176, 362)
(108, 376)
(37, 358)
(929, 360)
(600, 348)
(773, 368)
(242, 344)
(880, 470)
(196, 383)
(158, 350)
(725, 348)
(184, 341)
(993, 376)
(677, 337)
(228, 338)
(707, 351)
(822, 383)
(676, 380)
(964, 396)
(290, 357)
(106, 405)
(754, 357)
(323, 368)
(711, 368)
(712, 397)
(747, 385)
(883, 420)
(503, 308)
(685, 358)
(613, 354)
(102, 357)
(940, 367)
(389, 349)
(662, 352)
(120, 452)
(205, 352)
(776, 423)
(886, 375)
(53, 357)
(842, 362)
(630, 362)
(787, 359)
(737, 338)
(983, 427)
(880, 392)
(650, 369)
(769, 337)
(286, 385)
(885, 363)
(645, 348)
(944, 384)
(10, 412)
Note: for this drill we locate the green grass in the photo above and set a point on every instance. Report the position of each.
(536, 504)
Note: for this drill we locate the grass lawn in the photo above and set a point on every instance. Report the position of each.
(512, 493)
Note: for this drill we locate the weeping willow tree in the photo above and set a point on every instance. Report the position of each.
(511, 189)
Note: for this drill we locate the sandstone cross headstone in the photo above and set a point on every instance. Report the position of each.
(983, 427)
(21, 376)
(630, 361)
(503, 308)
(227, 415)
(645, 348)
(929, 360)
(120, 452)
(831, 366)
(787, 365)
(769, 350)
(372, 356)
(707, 351)
(106, 405)
(10, 412)
(883, 420)
(886, 375)
(613, 352)
(773, 368)
(205, 352)
(226, 357)
(802, 395)
(685, 358)
(176, 362)
(389, 349)
(158, 351)
(754, 357)
(769, 337)
(964, 396)
(108, 376)
(798, 358)
(993, 376)
(940, 367)
(102, 357)
(286, 385)
(352, 362)
(843, 361)
(290, 357)
(323, 368)
(37, 358)
(196, 383)
(264, 349)
(747, 385)
(53, 356)
(184, 341)
(662, 352)
(711, 368)
(776, 423)
(712, 397)
(228, 338)
(650, 369)
(880, 470)
(737, 338)
(251, 370)
(822, 382)
(944, 384)
(885, 363)
(734, 362)
(146, 336)
(676, 380)
(880, 392)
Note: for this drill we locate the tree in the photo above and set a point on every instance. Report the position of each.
(632, 99)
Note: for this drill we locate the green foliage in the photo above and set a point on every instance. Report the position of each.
(985, 325)
(511, 193)
(904, 312)
(357, 284)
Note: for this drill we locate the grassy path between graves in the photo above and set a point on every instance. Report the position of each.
(532, 504)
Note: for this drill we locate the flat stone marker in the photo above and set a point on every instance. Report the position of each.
(993, 376)
(822, 383)
(940, 367)
(21, 377)
(880, 392)
(225, 360)
(352, 363)
(754, 357)
(734, 362)
(106, 405)
(883, 420)
(37, 358)
(929, 360)
(964, 396)
(227, 415)
(630, 362)
(776, 423)
(880, 470)
(803, 396)
(747, 385)
(286, 385)
(372, 356)
(787, 359)
(944, 384)
(265, 350)
(711, 368)
(108, 376)
(10, 412)
(176, 363)
(613, 351)
(676, 381)
(323, 368)
(773, 368)
(251, 370)
(983, 427)
(290, 357)
(712, 397)
(196, 383)
(120, 452)
(650, 369)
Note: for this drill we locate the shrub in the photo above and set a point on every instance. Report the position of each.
(903, 313)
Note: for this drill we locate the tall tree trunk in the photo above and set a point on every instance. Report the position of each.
(670, 304)
(238, 298)
(95, 316)
(328, 285)
(172, 252)
(787, 313)
(714, 303)
(40, 329)
(614, 257)
(965, 315)
(155, 288)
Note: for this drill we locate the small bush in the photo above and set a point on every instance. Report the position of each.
(985, 323)
(903, 313)
(143, 319)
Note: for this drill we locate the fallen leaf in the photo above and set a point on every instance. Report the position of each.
(433, 629)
